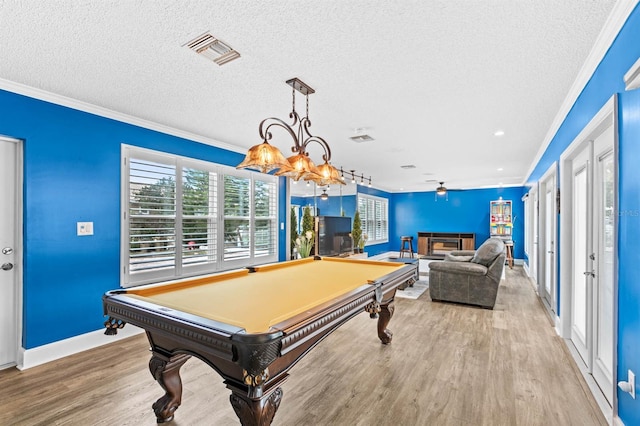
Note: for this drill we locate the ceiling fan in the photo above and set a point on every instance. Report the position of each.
(443, 190)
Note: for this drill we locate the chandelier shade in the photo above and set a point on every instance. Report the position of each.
(329, 175)
(264, 158)
(298, 167)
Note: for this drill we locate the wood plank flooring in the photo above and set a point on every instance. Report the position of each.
(447, 365)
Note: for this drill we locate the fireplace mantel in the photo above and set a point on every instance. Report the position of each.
(434, 245)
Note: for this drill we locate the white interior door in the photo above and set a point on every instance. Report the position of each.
(8, 267)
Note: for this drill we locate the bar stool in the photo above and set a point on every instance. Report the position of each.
(404, 241)
(509, 248)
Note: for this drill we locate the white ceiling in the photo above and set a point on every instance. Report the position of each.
(431, 81)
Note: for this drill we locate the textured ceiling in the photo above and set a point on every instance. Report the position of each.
(431, 81)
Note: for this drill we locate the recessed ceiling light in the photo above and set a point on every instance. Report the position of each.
(500, 169)
(499, 133)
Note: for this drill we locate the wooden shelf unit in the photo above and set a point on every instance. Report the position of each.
(434, 245)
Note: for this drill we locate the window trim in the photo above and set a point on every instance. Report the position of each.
(385, 202)
(179, 270)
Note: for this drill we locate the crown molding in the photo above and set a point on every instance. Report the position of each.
(65, 101)
(614, 23)
(632, 77)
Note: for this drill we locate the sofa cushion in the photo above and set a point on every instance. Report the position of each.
(488, 252)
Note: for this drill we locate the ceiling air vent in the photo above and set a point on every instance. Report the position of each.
(361, 138)
(408, 166)
(213, 49)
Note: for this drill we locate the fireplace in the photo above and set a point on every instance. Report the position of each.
(442, 246)
(435, 245)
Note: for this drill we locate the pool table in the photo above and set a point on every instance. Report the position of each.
(252, 325)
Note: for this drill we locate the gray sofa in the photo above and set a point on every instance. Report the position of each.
(470, 277)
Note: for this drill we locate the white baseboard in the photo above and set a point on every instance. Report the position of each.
(46, 353)
(597, 394)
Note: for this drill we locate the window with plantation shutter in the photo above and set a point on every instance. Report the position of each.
(152, 215)
(183, 217)
(237, 218)
(374, 216)
(265, 218)
(199, 218)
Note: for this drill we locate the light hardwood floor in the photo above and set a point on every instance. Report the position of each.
(447, 365)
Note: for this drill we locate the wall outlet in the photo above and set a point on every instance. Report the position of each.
(85, 228)
(630, 385)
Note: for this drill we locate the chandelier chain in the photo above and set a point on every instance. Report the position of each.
(293, 98)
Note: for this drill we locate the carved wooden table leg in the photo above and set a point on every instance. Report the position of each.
(255, 411)
(386, 312)
(166, 371)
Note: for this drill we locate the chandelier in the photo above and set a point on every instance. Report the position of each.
(266, 158)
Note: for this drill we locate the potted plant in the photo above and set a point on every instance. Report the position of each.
(356, 234)
(363, 241)
(304, 243)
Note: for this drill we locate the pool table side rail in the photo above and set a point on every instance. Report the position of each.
(334, 313)
(186, 330)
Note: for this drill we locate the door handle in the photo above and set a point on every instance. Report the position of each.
(550, 252)
(6, 266)
(7, 250)
(592, 273)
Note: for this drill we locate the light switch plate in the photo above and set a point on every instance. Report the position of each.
(85, 228)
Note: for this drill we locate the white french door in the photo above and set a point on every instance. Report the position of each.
(590, 168)
(603, 279)
(581, 274)
(547, 240)
(535, 237)
(8, 256)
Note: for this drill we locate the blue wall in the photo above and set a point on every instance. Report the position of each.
(413, 212)
(459, 211)
(606, 81)
(72, 173)
(629, 251)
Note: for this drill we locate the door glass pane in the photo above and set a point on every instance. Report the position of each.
(579, 312)
(548, 242)
(605, 282)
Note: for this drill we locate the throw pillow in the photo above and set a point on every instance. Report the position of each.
(488, 251)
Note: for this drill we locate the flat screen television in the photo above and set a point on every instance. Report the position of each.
(332, 236)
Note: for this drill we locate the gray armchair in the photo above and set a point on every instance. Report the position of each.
(470, 277)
